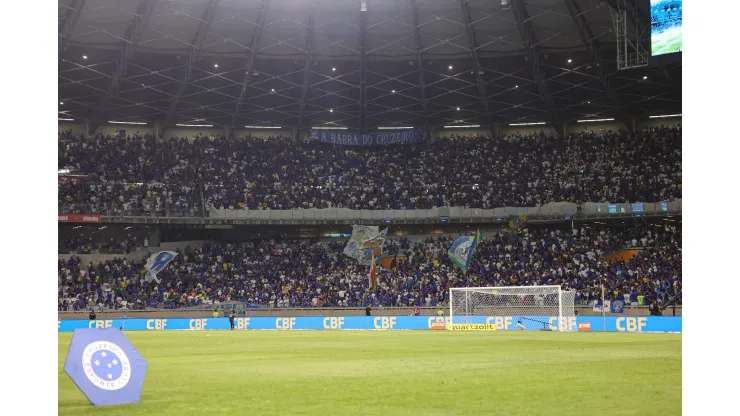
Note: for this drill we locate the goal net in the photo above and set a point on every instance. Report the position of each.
(522, 308)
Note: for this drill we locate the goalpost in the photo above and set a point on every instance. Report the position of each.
(523, 308)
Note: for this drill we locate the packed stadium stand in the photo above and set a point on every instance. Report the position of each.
(140, 175)
(282, 273)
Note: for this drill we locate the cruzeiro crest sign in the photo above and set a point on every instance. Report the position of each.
(105, 366)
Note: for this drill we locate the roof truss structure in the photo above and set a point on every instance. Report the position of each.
(325, 63)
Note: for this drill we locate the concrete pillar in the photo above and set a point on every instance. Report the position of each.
(495, 129)
(88, 133)
(158, 130)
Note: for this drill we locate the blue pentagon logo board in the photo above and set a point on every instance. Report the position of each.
(105, 366)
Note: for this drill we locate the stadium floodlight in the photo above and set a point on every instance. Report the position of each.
(467, 126)
(262, 127)
(194, 125)
(505, 5)
(127, 122)
(329, 128)
(395, 128)
(535, 123)
(666, 116)
(517, 308)
(594, 120)
(66, 119)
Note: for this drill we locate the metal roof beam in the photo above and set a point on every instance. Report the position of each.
(138, 24)
(587, 37)
(420, 64)
(473, 46)
(307, 67)
(614, 4)
(194, 54)
(533, 55)
(363, 72)
(68, 26)
(256, 35)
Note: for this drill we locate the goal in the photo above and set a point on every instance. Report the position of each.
(518, 308)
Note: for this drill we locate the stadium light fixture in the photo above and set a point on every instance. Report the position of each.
(570, 60)
(516, 86)
(457, 108)
(450, 67)
(393, 91)
(333, 69)
(666, 116)
(644, 77)
(61, 102)
(66, 119)
(331, 110)
(127, 122)
(215, 65)
(395, 128)
(262, 127)
(194, 125)
(272, 89)
(467, 126)
(594, 120)
(535, 123)
(329, 128)
(84, 56)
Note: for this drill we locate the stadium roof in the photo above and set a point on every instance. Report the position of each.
(302, 63)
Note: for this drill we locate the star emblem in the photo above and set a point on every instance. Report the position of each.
(110, 376)
(109, 366)
(115, 362)
(103, 354)
(97, 362)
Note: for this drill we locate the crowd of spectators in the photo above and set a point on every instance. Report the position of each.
(269, 273)
(187, 177)
(88, 245)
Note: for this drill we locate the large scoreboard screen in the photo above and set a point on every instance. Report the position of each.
(665, 26)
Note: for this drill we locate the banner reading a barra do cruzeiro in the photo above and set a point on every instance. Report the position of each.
(367, 140)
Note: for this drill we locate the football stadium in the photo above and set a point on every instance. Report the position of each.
(386, 207)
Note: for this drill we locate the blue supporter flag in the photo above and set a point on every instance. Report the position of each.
(616, 306)
(157, 262)
(461, 251)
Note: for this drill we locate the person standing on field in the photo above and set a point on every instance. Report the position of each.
(232, 315)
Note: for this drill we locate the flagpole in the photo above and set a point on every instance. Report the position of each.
(603, 303)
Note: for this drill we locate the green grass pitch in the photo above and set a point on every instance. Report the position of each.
(669, 41)
(397, 373)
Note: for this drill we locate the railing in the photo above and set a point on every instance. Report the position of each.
(556, 211)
